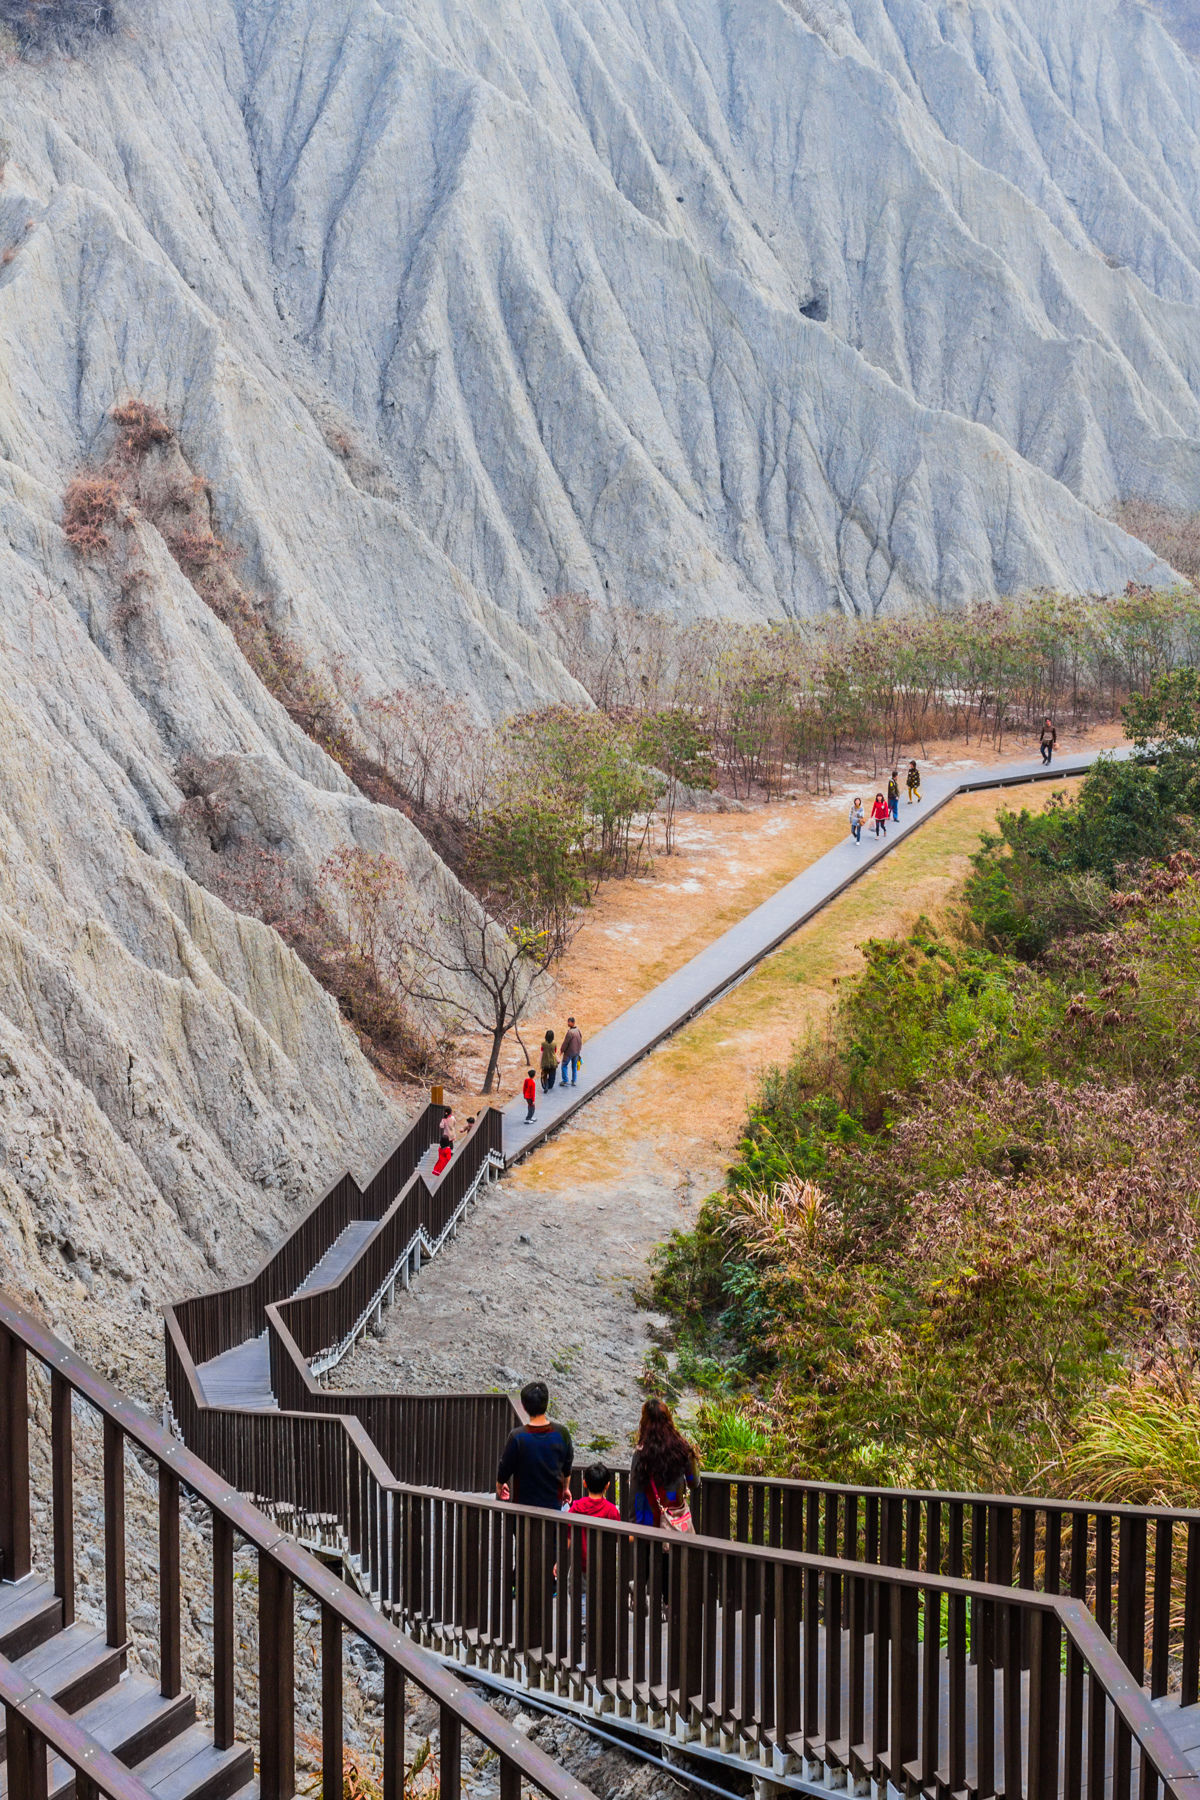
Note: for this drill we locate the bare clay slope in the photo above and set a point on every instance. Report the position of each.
(716, 306)
(703, 302)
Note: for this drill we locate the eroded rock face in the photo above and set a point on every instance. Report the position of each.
(748, 307)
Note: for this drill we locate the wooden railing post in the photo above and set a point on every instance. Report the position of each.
(114, 1534)
(14, 1457)
(332, 1723)
(28, 1777)
(276, 1681)
(393, 1732)
(62, 1487)
(169, 1578)
(450, 1731)
(223, 1631)
(1045, 1656)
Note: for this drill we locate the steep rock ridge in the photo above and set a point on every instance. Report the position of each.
(173, 1083)
(741, 306)
(633, 243)
(718, 306)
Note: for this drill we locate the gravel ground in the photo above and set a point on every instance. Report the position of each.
(542, 1280)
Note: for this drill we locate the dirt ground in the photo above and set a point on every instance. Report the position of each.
(544, 1275)
(640, 930)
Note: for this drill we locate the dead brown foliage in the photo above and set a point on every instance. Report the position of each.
(90, 505)
(1171, 534)
(141, 428)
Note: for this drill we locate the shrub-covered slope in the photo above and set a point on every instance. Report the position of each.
(961, 1244)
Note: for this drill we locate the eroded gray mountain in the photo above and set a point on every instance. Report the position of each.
(717, 306)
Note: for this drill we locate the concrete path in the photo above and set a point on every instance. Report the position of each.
(724, 963)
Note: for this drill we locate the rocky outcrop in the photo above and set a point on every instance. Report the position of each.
(744, 307)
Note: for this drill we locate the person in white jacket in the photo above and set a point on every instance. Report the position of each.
(856, 820)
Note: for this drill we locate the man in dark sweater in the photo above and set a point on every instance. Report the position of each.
(536, 1461)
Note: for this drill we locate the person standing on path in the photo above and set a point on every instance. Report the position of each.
(529, 1095)
(446, 1132)
(549, 1063)
(893, 794)
(665, 1467)
(856, 819)
(1048, 740)
(535, 1464)
(572, 1045)
(663, 1473)
(594, 1502)
(879, 812)
(913, 783)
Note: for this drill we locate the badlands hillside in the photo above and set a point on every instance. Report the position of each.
(718, 307)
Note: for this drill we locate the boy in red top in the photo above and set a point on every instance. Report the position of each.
(594, 1503)
(529, 1090)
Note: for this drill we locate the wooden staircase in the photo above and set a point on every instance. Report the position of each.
(154, 1735)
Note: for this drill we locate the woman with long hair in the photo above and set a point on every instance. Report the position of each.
(665, 1466)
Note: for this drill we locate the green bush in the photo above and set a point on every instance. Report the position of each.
(957, 1215)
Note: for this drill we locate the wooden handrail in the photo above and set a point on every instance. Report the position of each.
(279, 1553)
(42, 1723)
(786, 1558)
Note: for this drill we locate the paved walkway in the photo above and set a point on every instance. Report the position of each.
(724, 963)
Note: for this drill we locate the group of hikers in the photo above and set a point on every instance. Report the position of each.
(568, 1058)
(536, 1463)
(887, 806)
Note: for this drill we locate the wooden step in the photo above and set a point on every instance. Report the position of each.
(133, 1720)
(60, 1784)
(30, 1612)
(190, 1767)
(71, 1668)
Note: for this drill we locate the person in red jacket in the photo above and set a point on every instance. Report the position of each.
(594, 1502)
(446, 1134)
(879, 812)
(529, 1091)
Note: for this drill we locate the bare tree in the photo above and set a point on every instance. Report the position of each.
(481, 970)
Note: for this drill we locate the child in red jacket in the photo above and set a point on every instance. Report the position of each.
(529, 1090)
(594, 1502)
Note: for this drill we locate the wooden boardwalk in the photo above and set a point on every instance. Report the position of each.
(739, 950)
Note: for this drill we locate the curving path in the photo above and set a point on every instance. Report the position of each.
(740, 949)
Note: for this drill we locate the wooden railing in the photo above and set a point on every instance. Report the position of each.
(213, 1323)
(453, 1438)
(282, 1568)
(1136, 1568)
(804, 1622)
(933, 1684)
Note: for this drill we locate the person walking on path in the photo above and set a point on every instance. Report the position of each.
(1048, 740)
(529, 1095)
(549, 1063)
(913, 783)
(664, 1471)
(856, 819)
(879, 812)
(446, 1131)
(594, 1502)
(893, 794)
(535, 1464)
(572, 1045)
